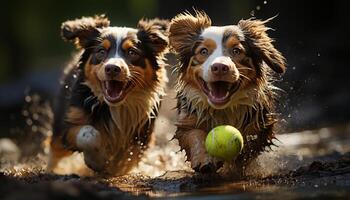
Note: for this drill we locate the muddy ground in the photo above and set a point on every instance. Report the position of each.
(313, 164)
(318, 180)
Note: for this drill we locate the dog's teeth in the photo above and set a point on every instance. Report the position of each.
(227, 93)
(120, 94)
(209, 86)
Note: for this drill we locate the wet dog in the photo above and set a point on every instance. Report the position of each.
(110, 94)
(224, 77)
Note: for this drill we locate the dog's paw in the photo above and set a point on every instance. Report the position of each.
(90, 143)
(95, 160)
(88, 138)
(206, 164)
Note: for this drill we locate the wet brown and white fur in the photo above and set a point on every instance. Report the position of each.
(224, 78)
(110, 95)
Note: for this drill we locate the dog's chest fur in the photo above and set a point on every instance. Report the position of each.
(248, 112)
(129, 121)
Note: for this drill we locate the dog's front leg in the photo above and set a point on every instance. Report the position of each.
(192, 140)
(89, 141)
(84, 138)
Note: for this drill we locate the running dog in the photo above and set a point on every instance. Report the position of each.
(110, 94)
(225, 76)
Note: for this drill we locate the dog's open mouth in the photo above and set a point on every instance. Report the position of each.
(218, 92)
(115, 91)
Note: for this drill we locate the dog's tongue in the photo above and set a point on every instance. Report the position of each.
(219, 89)
(114, 88)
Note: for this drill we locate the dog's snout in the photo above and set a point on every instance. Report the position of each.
(112, 70)
(219, 69)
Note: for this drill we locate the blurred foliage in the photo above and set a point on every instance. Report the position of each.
(30, 40)
(30, 29)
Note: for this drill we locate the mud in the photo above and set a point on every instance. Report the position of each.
(315, 181)
(312, 164)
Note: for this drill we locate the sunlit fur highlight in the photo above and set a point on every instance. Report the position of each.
(192, 26)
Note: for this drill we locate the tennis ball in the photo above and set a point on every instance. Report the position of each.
(224, 142)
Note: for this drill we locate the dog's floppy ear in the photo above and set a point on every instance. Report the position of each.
(256, 36)
(153, 33)
(82, 31)
(185, 29)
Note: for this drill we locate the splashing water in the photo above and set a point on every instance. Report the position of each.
(165, 155)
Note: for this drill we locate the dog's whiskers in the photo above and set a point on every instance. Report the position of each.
(246, 77)
(136, 76)
(240, 68)
(137, 80)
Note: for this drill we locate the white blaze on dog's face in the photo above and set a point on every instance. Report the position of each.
(112, 62)
(220, 61)
(119, 60)
(220, 76)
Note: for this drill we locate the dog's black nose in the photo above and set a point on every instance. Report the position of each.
(112, 70)
(219, 69)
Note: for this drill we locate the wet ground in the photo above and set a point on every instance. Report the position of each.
(311, 164)
(319, 180)
(308, 165)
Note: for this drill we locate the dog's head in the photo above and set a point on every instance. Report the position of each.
(220, 61)
(118, 61)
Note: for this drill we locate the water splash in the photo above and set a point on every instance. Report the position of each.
(252, 13)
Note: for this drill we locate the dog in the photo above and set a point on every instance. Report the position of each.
(225, 76)
(110, 94)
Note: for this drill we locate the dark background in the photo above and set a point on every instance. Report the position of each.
(311, 34)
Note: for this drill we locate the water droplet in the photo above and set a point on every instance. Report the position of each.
(265, 2)
(28, 98)
(291, 88)
(131, 153)
(66, 86)
(316, 186)
(289, 116)
(129, 159)
(258, 7)
(252, 13)
(29, 122)
(318, 54)
(75, 76)
(25, 113)
(34, 128)
(35, 116)
(293, 68)
(300, 157)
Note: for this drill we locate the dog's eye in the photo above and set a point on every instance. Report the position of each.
(101, 54)
(204, 51)
(132, 52)
(236, 51)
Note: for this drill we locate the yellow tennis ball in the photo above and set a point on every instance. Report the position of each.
(224, 142)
